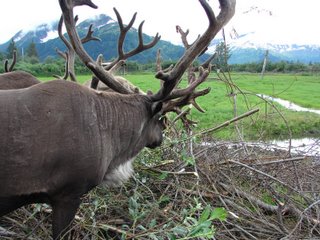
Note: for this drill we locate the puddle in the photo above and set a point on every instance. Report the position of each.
(289, 105)
(303, 146)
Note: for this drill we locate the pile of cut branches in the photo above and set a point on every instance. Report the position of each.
(196, 189)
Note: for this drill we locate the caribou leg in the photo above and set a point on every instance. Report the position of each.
(64, 211)
(9, 204)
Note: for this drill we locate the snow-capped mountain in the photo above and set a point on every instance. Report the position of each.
(250, 48)
(48, 31)
(47, 41)
(40, 34)
(247, 47)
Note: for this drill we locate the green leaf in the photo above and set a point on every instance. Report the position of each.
(203, 228)
(133, 203)
(163, 176)
(180, 231)
(205, 214)
(140, 227)
(219, 213)
(171, 236)
(152, 223)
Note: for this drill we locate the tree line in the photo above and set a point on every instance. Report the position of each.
(29, 61)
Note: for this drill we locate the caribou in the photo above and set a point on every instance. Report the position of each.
(54, 149)
(15, 79)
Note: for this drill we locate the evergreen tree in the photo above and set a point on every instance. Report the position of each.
(222, 56)
(31, 51)
(2, 57)
(12, 47)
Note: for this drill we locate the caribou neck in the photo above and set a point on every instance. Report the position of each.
(123, 116)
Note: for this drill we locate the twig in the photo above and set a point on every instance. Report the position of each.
(242, 230)
(114, 229)
(265, 206)
(294, 159)
(315, 221)
(227, 123)
(269, 176)
(5, 233)
(286, 160)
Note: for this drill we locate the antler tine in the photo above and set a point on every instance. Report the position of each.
(207, 63)
(141, 47)
(61, 54)
(123, 32)
(65, 55)
(65, 41)
(83, 2)
(71, 53)
(188, 95)
(183, 36)
(172, 78)
(14, 60)
(176, 93)
(89, 36)
(67, 11)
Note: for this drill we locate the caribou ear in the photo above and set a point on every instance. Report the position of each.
(156, 108)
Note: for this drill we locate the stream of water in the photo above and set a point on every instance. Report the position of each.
(289, 105)
(303, 146)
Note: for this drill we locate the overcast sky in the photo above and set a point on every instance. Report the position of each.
(275, 20)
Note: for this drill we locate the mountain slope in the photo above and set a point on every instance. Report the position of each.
(245, 48)
(250, 48)
(46, 39)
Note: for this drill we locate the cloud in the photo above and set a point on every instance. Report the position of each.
(290, 20)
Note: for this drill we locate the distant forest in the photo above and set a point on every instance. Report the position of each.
(55, 66)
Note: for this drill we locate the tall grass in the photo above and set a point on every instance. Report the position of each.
(272, 121)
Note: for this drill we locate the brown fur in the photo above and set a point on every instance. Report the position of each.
(124, 82)
(54, 151)
(17, 80)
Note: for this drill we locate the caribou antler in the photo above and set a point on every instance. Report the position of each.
(97, 69)
(125, 55)
(69, 56)
(14, 60)
(174, 99)
(64, 55)
(168, 94)
(171, 79)
(192, 69)
(123, 32)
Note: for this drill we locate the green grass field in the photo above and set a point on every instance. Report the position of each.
(270, 122)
